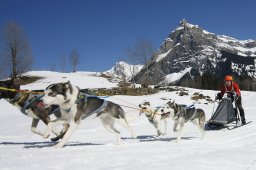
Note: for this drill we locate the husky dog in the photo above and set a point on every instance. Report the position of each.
(29, 105)
(181, 115)
(155, 116)
(73, 109)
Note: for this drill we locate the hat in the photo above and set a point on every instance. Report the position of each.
(228, 78)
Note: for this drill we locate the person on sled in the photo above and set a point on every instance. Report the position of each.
(231, 87)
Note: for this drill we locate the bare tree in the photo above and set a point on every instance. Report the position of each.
(129, 57)
(63, 62)
(3, 70)
(140, 53)
(53, 67)
(74, 59)
(16, 52)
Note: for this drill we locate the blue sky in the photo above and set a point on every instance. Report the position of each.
(99, 29)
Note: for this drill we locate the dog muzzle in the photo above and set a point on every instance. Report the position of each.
(141, 111)
(41, 104)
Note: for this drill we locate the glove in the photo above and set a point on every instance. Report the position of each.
(231, 96)
(218, 97)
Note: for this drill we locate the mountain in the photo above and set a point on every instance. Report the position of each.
(194, 57)
(123, 71)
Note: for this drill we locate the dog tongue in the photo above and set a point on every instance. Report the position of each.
(41, 104)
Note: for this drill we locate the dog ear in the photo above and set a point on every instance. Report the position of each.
(176, 106)
(173, 102)
(66, 83)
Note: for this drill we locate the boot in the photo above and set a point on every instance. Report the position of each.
(243, 121)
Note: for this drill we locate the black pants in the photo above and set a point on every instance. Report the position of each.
(240, 108)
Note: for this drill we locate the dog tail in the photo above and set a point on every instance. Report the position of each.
(201, 118)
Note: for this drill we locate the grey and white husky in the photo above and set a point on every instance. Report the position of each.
(73, 109)
(155, 117)
(181, 115)
(29, 105)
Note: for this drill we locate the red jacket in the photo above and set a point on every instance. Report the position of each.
(232, 88)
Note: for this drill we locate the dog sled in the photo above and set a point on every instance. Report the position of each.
(226, 114)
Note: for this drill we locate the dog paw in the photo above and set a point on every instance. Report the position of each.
(55, 139)
(177, 141)
(175, 130)
(162, 134)
(46, 135)
(134, 137)
(156, 137)
(117, 143)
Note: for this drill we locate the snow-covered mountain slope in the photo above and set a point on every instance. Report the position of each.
(91, 146)
(208, 54)
(123, 71)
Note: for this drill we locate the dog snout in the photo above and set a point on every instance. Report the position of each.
(139, 105)
(162, 110)
(41, 104)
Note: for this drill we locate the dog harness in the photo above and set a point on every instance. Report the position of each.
(31, 99)
(185, 110)
(84, 96)
(153, 114)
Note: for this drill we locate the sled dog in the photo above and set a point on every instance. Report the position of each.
(155, 117)
(73, 109)
(28, 104)
(181, 115)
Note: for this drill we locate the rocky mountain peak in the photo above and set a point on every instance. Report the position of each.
(183, 22)
(191, 52)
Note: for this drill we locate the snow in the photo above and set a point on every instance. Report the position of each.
(170, 78)
(91, 146)
(81, 79)
(227, 38)
(207, 32)
(123, 69)
(161, 56)
(208, 50)
(241, 54)
(241, 50)
(244, 50)
(179, 28)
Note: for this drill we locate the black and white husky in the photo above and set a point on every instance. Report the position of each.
(73, 109)
(29, 105)
(181, 115)
(155, 117)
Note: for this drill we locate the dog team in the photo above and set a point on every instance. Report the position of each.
(70, 106)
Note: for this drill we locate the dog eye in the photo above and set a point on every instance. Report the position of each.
(51, 94)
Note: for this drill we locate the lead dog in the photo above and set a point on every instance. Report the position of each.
(181, 115)
(155, 117)
(28, 104)
(73, 109)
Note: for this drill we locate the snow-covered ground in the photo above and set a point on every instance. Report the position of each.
(81, 79)
(91, 146)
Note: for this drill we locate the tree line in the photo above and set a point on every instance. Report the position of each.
(16, 56)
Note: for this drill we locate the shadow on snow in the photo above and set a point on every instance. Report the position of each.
(150, 138)
(28, 145)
